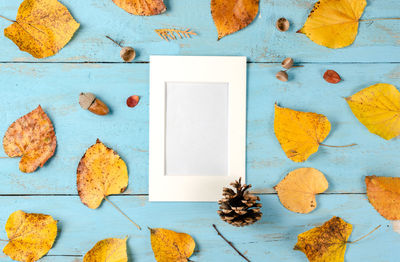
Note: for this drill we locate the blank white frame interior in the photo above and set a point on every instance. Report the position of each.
(197, 137)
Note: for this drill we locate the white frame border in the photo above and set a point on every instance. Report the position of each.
(163, 69)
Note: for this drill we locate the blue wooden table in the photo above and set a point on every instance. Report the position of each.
(91, 63)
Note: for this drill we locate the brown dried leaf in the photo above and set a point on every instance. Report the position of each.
(142, 7)
(32, 137)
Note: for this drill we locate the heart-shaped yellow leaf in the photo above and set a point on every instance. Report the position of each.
(326, 243)
(171, 246)
(108, 250)
(298, 189)
(142, 7)
(377, 107)
(101, 172)
(384, 195)
(30, 236)
(32, 137)
(231, 16)
(300, 133)
(42, 27)
(334, 23)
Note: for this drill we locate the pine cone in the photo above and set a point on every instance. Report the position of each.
(238, 207)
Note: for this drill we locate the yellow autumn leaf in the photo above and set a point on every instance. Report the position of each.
(300, 133)
(231, 16)
(142, 7)
(30, 236)
(108, 250)
(33, 138)
(334, 23)
(377, 107)
(101, 172)
(326, 243)
(170, 246)
(42, 27)
(384, 195)
(298, 189)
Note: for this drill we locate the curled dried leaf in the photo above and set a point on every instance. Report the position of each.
(332, 77)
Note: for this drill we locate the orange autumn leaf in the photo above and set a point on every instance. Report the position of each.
(300, 133)
(108, 250)
(170, 246)
(32, 137)
(298, 189)
(326, 243)
(231, 16)
(142, 7)
(384, 195)
(30, 236)
(42, 27)
(101, 172)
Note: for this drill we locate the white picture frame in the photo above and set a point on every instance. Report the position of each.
(192, 99)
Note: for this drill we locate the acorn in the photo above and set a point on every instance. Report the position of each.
(282, 24)
(282, 76)
(90, 102)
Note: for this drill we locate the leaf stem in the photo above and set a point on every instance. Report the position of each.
(109, 201)
(337, 146)
(351, 242)
(230, 243)
(4, 240)
(115, 42)
(4, 157)
(8, 19)
(376, 19)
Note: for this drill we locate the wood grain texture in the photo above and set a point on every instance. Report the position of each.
(271, 239)
(261, 42)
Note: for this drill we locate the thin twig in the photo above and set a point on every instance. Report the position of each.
(115, 42)
(351, 242)
(109, 201)
(230, 243)
(4, 240)
(8, 19)
(3, 157)
(337, 146)
(376, 19)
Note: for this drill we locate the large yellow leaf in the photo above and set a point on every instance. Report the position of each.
(326, 243)
(107, 250)
(334, 23)
(171, 246)
(142, 7)
(32, 136)
(101, 172)
(384, 195)
(300, 133)
(378, 109)
(231, 16)
(30, 236)
(42, 27)
(298, 189)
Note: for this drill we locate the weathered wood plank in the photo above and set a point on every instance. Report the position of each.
(376, 42)
(272, 239)
(57, 86)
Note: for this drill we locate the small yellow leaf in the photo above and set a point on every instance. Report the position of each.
(171, 246)
(42, 27)
(384, 195)
(30, 236)
(300, 133)
(334, 23)
(326, 243)
(101, 172)
(298, 189)
(377, 107)
(108, 250)
(31, 136)
(231, 16)
(142, 7)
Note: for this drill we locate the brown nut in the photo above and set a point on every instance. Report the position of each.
(90, 102)
(127, 53)
(282, 24)
(287, 63)
(282, 76)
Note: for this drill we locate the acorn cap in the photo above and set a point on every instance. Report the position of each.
(86, 100)
(127, 53)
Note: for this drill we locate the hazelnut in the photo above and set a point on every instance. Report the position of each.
(287, 63)
(90, 102)
(282, 76)
(282, 24)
